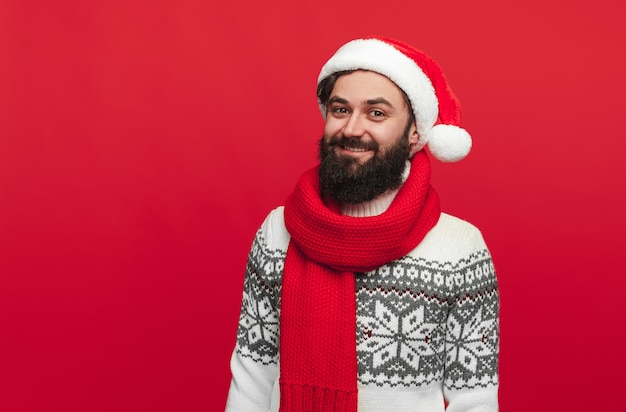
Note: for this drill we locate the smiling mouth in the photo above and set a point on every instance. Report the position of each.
(355, 149)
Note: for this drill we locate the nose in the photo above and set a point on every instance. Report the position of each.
(354, 126)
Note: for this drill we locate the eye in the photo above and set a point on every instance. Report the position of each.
(377, 113)
(339, 110)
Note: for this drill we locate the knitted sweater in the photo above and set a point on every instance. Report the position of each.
(427, 324)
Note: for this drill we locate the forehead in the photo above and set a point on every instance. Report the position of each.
(363, 85)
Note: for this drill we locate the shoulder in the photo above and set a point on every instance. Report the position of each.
(454, 225)
(451, 240)
(273, 231)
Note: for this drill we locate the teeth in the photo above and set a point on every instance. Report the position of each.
(355, 149)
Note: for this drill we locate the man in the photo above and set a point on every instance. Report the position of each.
(360, 294)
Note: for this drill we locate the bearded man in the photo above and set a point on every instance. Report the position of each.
(360, 294)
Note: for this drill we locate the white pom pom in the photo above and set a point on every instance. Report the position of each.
(449, 143)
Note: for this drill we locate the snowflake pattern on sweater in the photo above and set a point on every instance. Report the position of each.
(257, 334)
(415, 319)
(427, 320)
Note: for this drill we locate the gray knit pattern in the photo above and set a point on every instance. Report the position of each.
(422, 321)
(418, 321)
(257, 334)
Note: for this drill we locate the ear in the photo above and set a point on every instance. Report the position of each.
(413, 139)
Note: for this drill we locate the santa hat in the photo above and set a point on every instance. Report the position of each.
(436, 109)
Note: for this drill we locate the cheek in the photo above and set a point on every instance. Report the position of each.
(389, 133)
(384, 136)
(332, 127)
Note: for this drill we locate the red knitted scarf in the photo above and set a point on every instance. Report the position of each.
(318, 361)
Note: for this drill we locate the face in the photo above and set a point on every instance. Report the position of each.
(366, 111)
(367, 138)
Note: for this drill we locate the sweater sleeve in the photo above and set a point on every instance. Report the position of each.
(472, 337)
(254, 362)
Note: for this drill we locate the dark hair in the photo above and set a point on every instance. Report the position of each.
(326, 86)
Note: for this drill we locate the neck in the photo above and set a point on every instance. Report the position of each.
(376, 206)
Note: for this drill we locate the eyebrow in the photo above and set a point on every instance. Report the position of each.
(337, 99)
(370, 102)
(379, 100)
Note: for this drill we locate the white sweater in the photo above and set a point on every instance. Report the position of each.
(427, 325)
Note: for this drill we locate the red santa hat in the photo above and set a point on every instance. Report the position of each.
(436, 109)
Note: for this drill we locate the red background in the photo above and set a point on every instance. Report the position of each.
(143, 142)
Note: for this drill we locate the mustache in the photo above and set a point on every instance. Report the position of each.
(353, 143)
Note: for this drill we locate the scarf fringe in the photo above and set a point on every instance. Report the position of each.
(307, 398)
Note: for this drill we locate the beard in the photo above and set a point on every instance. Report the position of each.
(347, 180)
